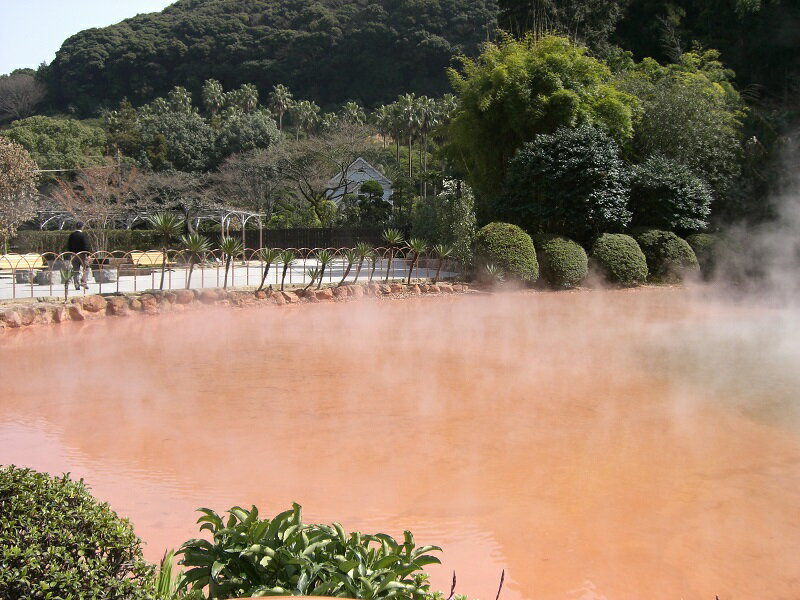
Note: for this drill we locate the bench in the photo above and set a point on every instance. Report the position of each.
(151, 258)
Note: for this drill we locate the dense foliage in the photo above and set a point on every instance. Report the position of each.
(667, 194)
(284, 556)
(332, 52)
(669, 258)
(563, 262)
(56, 541)
(59, 143)
(509, 248)
(518, 89)
(448, 218)
(572, 182)
(619, 259)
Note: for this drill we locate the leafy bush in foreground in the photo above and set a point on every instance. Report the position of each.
(57, 541)
(562, 261)
(509, 248)
(620, 259)
(669, 258)
(284, 556)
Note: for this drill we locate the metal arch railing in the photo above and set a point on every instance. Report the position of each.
(38, 275)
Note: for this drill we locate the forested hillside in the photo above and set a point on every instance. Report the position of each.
(331, 51)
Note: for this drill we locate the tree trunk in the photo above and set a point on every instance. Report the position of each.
(321, 275)
(283, 277)
(189, 276)
(163, 267)
(372, 270)
(227, 266)
(389, 266)
(263, 278)
(438, 270)
(346, 273)
(358, 270)
(410, 157)
(411, 267)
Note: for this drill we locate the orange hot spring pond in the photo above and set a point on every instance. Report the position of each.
(602, 444)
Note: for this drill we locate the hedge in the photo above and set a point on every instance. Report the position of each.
(123, 240)
(669, 258)
(508, 247)
(57, 541)
(620, 259)
(563, 262)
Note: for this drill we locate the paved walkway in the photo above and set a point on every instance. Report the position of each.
(240, 275)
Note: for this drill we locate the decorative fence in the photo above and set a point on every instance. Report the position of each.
(47, 274)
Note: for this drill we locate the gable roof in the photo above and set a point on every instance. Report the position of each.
(360, 165)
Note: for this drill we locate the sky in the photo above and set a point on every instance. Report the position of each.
(32, 30)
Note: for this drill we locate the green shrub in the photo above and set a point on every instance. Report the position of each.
(708, 247)
(57, 541)
(508, 247)
(667, 194)
(123, 240)
(562, 261)
(284, 556)
(620, 259)
(669, 258)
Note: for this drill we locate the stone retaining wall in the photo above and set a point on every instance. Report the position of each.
(21, 314)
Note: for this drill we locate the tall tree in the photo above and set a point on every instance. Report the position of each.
(280, 101)
(20, 94)
(18, 179)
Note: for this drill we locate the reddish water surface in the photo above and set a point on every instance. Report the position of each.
(619, 445)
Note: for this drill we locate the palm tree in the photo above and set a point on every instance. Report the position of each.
(353, 113)
(167, 225)
(280, 101)
(373, 259)
(429, 119)
(196, 245)
(362, 251)
(269, 256)
(393, 238)
(313, 274)
(213, 96)
(351, 256)
(231, 247)
(417, 247)
(287, 258)
(443, 251)
(408, 113)
(324, 257)
(305, 114)
(382, 117)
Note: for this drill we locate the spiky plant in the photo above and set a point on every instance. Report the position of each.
(442, 251)
(312, 274)
(67, 272)
(351, 256)
(195, 245)
(324, 257)
(287, 258)
(362, 251)
(393, 238)
(417, 247)
(168, 226)
(493, 274)
(231, 248)
(373, 264)
(268, 256)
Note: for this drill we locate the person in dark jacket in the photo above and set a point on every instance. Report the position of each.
(78, 245)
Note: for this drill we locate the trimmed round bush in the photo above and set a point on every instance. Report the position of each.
(57, 541)
(708, 247)
(620, 259)
(669, 258)
(508, 247)
(562, 262)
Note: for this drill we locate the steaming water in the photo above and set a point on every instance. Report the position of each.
(620, 445)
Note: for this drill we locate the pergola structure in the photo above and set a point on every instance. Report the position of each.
(46, 219)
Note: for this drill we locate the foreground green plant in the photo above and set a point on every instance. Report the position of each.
(417, 247)
(57, 541)
(196, 246)
(442, 251)
(287, 258)
(269, 256)
(167, 226)
(324, 257)
(351, 256)
(283, 556)
(393, 238)
(231, 247)
(363, 251)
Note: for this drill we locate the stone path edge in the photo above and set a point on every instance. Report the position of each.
(23, 314)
